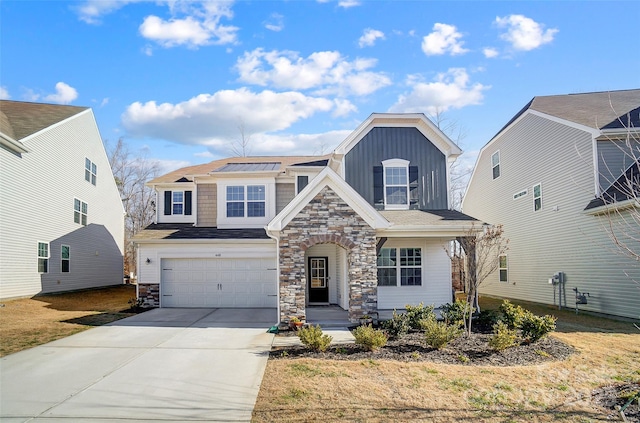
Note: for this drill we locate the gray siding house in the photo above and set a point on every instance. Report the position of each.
(364, 228)
(61, 217)
(544, 177)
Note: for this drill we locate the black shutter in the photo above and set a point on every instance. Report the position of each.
(378, 187)
(187, 203)
(414, 187)
(167, 203)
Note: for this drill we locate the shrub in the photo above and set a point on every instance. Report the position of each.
(512, 315)
(456, 313)
(417, 313)
(486, 319)
(313, 338)
(535, 327)
(439, 334)
(369, 338)
(503, 337)
(397, 326)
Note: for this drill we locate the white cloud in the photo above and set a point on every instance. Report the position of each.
(200, 27)
(343, 107)
(444, 39)
(369, 37)
(205, 154)
(449, 90)
(327, 72)
(275, 22)
(104, 102)
(348, 3)
(91, 11)
(166, 166)
(212, 119)
(298, 144)
(4, 93)
(524, 33)
(490, 52)
(65, 94)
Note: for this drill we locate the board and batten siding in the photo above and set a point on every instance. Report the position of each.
(207, 206)
(560, 236)
(436, 276)
(37, 204)
(399, 143)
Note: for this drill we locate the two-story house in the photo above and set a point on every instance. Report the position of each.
(364, 228)
(61, 217)
(552, 177)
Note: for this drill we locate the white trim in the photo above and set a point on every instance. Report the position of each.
(225, 222)
(493, 178)
(331, 179)
(62, 122)
(533, 192)
(395, 163)
(62, 259)
(614, 207)
(503, 268)
(48, 257)
(13, 145)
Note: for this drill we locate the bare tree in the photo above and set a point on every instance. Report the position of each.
(480, 250)
(131, 172)
(458, 173)
(241, 146)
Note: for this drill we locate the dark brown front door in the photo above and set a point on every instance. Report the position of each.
(318, 280)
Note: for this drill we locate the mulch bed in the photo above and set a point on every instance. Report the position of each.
(464, 350)
(618, 395)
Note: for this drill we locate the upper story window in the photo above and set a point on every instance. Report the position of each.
(537, 197)
(503, 264)
(246, 200)
(495, 164)
(90, 171)
(302, 182)
(396, 184)
(43, 257)
(177, 203)
(80, 209)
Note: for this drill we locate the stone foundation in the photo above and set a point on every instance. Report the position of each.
(149, 294)
(328, 219)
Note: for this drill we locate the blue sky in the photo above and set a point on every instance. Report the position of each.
(178, 79)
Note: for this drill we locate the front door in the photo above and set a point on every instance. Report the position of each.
(318, 280)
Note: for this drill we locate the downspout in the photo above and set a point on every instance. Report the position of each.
(274, 235)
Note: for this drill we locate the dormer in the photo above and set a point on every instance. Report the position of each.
(176, 202)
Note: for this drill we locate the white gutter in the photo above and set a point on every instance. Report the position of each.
(275, 236)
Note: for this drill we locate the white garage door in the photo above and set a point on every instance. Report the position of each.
(220, 282)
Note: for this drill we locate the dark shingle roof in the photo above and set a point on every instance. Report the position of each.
(19, 119)
(627, 186)
(188, 231)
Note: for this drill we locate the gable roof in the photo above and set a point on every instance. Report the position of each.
(416, 120)
(597, 110)
(277, 163)
(19, 119)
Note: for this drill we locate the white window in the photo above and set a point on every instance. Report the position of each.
(177, 202)
(396, 184)
(495, 164)
(537, 197)
(80, 212)
(64, 258)
(90, 171)
(503, 268)
(400, 267)
(246, 200)
(43, 257)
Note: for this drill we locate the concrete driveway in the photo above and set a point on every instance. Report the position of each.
(162, 365)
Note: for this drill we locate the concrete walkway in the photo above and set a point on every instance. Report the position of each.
(162, 365)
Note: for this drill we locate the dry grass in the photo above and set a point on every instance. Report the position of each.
(380, 391)
(28, 322)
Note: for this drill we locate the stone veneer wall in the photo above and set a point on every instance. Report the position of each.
(328, 219)
(149, 294)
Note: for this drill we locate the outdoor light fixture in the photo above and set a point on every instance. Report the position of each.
(148, 260)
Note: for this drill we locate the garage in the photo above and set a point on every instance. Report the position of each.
(218, 282)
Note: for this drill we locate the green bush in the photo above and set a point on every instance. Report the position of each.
(313, 338)
(397, 326)
(369, 338)
(512, 315)
(456, 313)
(503, 337)
(486, 319)
(417, 313)
(535, 327)
(439, 334)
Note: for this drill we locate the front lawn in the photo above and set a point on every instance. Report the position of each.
(29, 322)
(607, 352)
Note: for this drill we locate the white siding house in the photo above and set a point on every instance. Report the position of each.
(536, 177)
(61, 217)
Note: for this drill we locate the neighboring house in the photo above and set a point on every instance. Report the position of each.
(61, 217)
(544, 176)
(364, 228)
